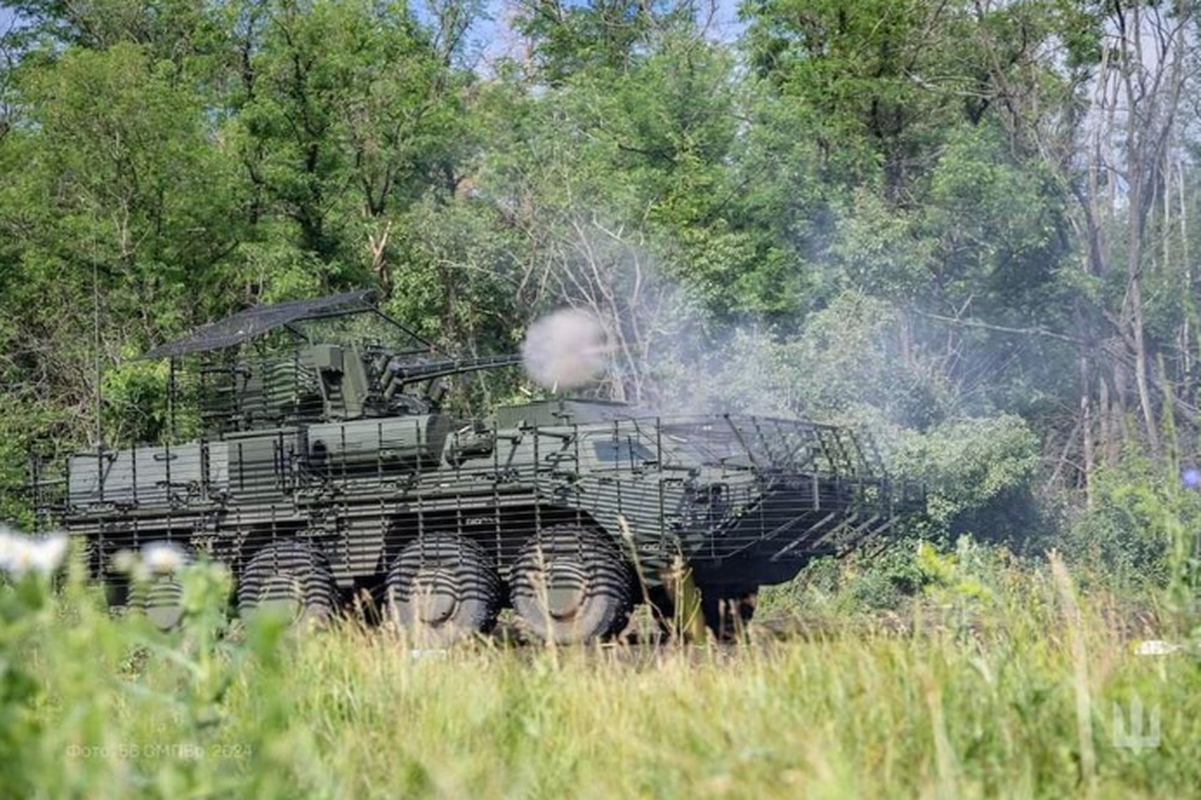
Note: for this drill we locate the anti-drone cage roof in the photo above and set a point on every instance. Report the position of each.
(260, 320)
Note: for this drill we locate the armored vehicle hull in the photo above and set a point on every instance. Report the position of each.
(739, 501)
(568, 511)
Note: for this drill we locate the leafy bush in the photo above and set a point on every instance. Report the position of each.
(979, 475)
(1140, 529)
(886, 580)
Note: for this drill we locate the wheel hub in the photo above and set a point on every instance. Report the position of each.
(435, 598)
(164, 604)
(566, 586)
(165, 617)
(281, 595)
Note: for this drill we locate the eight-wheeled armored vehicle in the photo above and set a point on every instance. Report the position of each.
(320, 464)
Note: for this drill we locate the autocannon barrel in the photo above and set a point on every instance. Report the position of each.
(409, 372)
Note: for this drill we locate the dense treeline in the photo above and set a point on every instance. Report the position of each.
(971, 224)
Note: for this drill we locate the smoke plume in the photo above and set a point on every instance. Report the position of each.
(565, 349)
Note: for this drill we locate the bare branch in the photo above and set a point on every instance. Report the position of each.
(975, 323)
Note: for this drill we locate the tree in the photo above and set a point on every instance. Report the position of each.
(119, 195)
(345, 117)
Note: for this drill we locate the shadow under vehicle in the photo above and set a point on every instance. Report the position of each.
(322, 465)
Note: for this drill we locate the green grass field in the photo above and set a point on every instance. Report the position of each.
(1013, 695)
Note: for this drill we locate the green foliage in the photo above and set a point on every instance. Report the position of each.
(1139, 530)
(170, 29)
(345, 117)
(886, 582)
(905, 576)
(849, 363)
(595, 36)
(136, 394)
(136, 188)
(19, 426)
(999, 224)
(881, 251)
(960, 577)
(979, 475)
(853, 357)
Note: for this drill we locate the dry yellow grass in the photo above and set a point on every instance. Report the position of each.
(1000, 707)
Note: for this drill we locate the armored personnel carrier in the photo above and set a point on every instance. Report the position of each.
(320, 463)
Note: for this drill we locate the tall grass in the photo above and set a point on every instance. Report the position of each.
(1007, 698)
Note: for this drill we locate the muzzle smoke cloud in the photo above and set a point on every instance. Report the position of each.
(565, 349)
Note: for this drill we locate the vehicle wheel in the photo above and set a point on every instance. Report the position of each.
(291, 578)
(160, 598)
(571, 584)
(727, 616)
(441, 588)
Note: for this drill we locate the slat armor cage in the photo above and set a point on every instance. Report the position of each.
(343, 448)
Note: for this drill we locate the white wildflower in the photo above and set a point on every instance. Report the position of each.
(125, 562)
(420, 653)
(9, 545)
(1156, 647)
(20, 554)
(163, 558)
(49, 553)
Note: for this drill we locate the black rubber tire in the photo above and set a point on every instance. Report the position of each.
(728, 616)
(586, 569)
(442, 588)
(293, 574)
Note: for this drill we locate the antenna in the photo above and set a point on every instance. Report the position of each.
(171, 389)
(99, 433)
